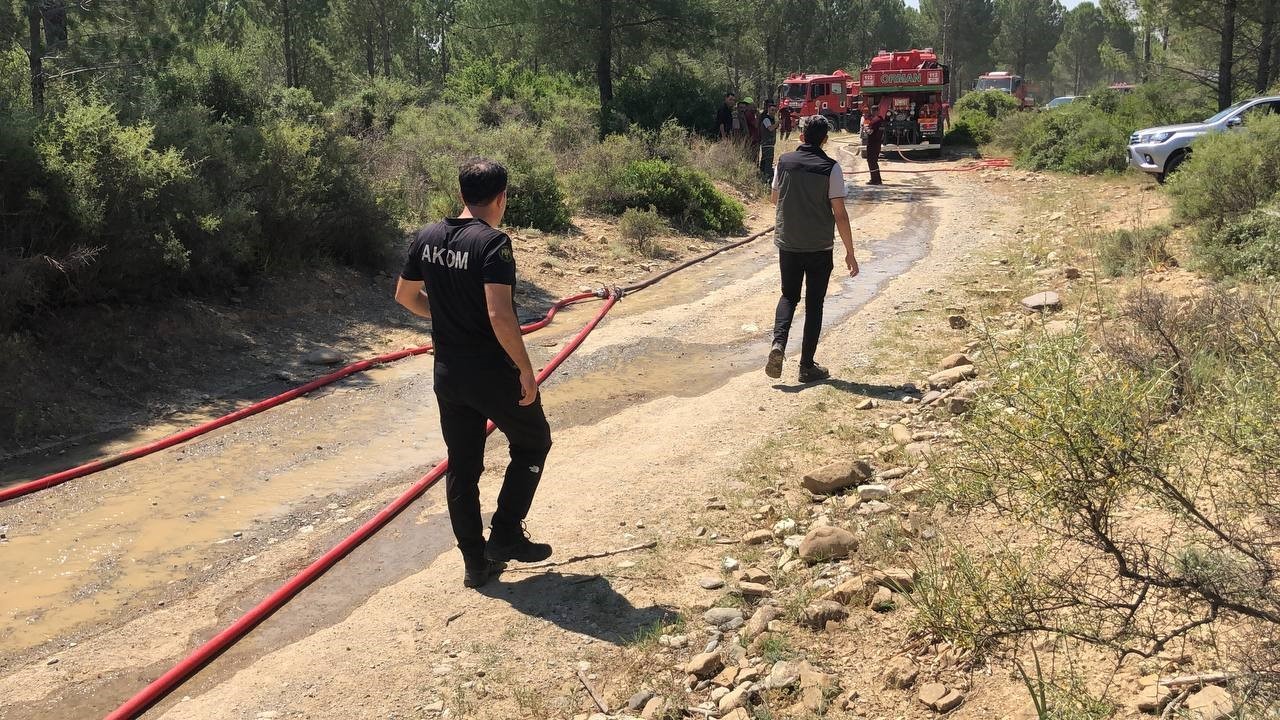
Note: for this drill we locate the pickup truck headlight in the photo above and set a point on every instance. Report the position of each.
(1156, 137)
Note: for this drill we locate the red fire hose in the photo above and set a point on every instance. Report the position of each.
(90, 468)
(988, 164)
(176, 675)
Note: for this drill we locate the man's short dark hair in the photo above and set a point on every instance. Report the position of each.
(730, 94)
(481, 180)
(816, 130)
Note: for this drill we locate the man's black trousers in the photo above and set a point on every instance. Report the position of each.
(766, 163)
(873, 160)
(813, 269)
(470, 391)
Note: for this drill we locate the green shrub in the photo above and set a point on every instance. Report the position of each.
(1246, 247)
(296, 104)
(223, 81)
(724, 160)
(1229, 173)
(596, 182)
(683, 194)
(651, 97)
(1090, 136)
(1126, 252)
(501, 93)
(992, 103)
(512, 92)
(534, 198)
(1013, 130)
(420, 167)
(641, 229)
(15, 80)
(1076, 138)
(376, 107)
(98, 184)
(970, 128)
(1163, 102)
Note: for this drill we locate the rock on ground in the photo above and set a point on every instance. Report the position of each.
(760, 621)
(827, 543)
(704, 665)
(1047, 300)
(947, 378)
(821, 612)
(837, 476)
(719, 616)
(1211, 703)
(899, 673)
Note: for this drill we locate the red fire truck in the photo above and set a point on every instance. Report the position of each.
(834, 95)
(1009, 83)
(909, 87)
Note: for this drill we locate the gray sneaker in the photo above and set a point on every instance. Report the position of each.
(773, 368)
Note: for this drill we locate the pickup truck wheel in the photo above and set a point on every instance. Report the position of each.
(1171, 165)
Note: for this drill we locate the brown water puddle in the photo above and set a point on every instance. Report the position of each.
(82, 553)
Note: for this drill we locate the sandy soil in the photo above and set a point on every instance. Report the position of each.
(118, 576)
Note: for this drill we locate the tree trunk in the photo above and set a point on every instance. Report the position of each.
(1226, 54)
(1146, 52)
(384, 37)
(417, 56)
(604, 62)
(35, 58)
(444, 51)
(290, 67)
(1266, 42)
(370, 65)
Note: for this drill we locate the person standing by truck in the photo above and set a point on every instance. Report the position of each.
(461, 274)
(875, 138)
(787, 119)
(768, 140)
(809, 191)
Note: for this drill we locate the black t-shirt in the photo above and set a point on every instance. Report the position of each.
(724, 119)
(455, 258)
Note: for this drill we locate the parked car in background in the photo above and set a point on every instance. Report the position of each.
(1160, 150)
(1060, 101)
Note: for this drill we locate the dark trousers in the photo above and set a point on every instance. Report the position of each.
(813, 269)
(469, 392)
(766, 163)
(873, 160)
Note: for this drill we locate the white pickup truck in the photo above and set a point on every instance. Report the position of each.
(1160, 150)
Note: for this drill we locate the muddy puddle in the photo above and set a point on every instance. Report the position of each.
(608, 381)
(107, 543)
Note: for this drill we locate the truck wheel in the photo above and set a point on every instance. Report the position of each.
(1172, 165)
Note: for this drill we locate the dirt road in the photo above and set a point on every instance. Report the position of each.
(650, 418)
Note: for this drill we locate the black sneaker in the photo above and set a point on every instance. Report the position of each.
(479, 570)
(813, 373)
(502, 547)
(773, 368)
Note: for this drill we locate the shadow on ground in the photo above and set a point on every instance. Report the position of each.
(874, 391)
(583, 604)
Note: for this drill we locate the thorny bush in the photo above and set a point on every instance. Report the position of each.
(1148, 468)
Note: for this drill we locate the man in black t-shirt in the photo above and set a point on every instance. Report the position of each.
(461, 274)
(724, 116)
